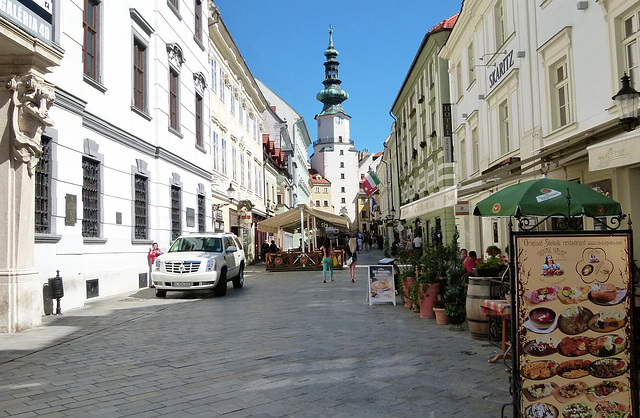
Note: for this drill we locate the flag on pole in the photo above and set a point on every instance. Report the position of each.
(373, 204)
(370, 183)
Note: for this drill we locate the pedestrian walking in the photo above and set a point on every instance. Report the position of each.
(359, 243)
(154, 252)
(273, 248)
(327, 259)
(352, 253)
(417, 246)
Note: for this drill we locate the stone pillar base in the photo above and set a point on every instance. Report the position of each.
(20, 300)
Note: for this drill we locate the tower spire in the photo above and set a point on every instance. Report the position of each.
(332, 95)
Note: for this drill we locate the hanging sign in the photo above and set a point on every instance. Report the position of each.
(381, 286)
(574, 316)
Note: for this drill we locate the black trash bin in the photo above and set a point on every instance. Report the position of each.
(56, 290)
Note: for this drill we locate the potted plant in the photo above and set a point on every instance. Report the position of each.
(434, 263)
(439, 309)
(455, 296)
(493, 264)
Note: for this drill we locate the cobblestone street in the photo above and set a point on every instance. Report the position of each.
(284, 345)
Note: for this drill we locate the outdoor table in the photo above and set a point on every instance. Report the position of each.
(493, 307)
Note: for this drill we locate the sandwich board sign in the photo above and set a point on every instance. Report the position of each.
(381, 287)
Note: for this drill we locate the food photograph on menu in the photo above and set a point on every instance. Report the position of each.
(574, 316)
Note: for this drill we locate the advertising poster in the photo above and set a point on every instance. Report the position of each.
(381, 286)
(574, 329)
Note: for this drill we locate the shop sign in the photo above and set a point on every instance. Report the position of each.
(32, 16)
(218, 215)
(430, 203)
(614, 154)
(574, 324)
(501, 69)
(448, 132)
(462, 207)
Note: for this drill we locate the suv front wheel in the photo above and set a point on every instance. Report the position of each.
(221, 287)
(238, 282)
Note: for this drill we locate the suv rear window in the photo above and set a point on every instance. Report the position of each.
(207, 244)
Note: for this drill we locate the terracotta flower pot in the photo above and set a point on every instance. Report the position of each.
(427, 299)
(407, 284)
(441, 318)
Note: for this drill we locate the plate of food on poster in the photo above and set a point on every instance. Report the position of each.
(578, 410)
(570, 391)
(541, 346)
(544, 294)
(608, 368)
(605, 389)
(607, 345)
(607, 320)
(606, 294)
(541, 410)
(573, 294)
(611, 409)
(574, 346)
(575, 320)
(573, 369)
(542, 320)
(539, 370)
(539, 390)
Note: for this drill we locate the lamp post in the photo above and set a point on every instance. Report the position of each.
(627, 102)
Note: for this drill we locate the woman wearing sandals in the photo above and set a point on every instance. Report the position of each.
(352, 252)
(327, 259)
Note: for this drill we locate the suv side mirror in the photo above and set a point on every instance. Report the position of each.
(231, 249)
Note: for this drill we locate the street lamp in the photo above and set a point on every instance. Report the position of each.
(231, 192)
(627, 102)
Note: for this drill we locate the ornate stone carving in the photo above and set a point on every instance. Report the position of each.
(200, 81)
(31, 100)
(176, 56)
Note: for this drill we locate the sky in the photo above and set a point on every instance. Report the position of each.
(283, 44)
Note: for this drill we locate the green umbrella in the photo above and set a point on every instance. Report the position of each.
(547, 197)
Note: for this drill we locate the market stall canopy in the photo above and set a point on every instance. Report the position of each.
(290, 220)
(547, 197)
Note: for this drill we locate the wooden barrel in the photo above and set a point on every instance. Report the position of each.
(479, 289)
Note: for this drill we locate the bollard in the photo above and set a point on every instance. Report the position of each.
(56, 290)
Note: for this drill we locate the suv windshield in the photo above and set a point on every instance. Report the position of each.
(208, 244)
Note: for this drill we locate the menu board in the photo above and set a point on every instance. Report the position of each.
(381, 286)
(574, 325)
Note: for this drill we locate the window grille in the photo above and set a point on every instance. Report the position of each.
(175, 212)
(90, 198)
(201, 213)
(140, 231)
(43, 183)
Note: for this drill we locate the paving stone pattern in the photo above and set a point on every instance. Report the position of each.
(284, 345)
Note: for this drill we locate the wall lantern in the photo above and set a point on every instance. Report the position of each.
(231, 192)
(627, 102)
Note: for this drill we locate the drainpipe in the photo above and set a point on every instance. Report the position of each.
(397, 160)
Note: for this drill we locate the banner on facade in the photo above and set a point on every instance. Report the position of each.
(381, 286)
(574, 325)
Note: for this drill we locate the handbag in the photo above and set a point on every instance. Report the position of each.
(349, 261)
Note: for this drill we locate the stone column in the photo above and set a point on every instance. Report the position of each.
(24, 105)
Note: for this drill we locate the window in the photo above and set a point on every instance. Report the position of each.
(139, 75)
(325, 203)
(197, 23)
(341, 152)
(249, 183)
(341, 176)
(475, 150)
(341, 165)
(325, 190)
(630, 35)
(199, 138)
(221, 85)
(223, 155)
(176, 221)
(363, 201)
(241, 113)
(90, 198)
(471, 62)
(216, 151)
(363, 214)
(340, 138)
(317, 189)
(141, 205)
(258, 177)
(201, 212)
(234, 174)
(241, 169)
(232, 100)
(343, 200)
(173, 100)
(504, 126)
(256, 134)
(214, 75)
(463, 157)
(561, 111)
(317, 203)
(91, 28)
(342, 190)
(499, 21)
(43, 185)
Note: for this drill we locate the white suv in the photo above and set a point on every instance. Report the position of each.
(200, 261)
